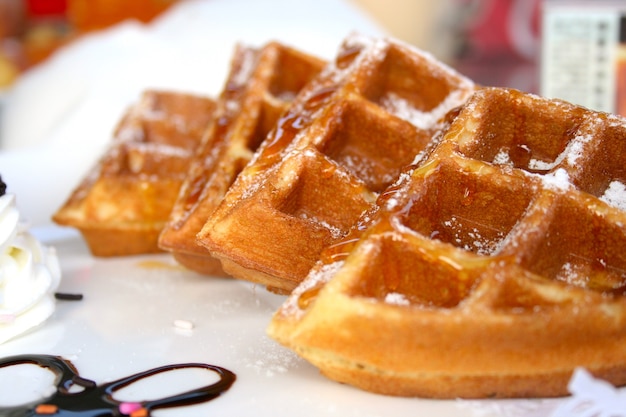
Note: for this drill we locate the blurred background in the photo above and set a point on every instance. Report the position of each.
(569, 49)
(471, 31)
(494, 42)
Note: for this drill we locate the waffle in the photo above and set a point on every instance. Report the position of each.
(344, 139)
(493, 268)
(260, 85)
(122, 204)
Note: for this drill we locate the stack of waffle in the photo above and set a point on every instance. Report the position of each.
(345, 138)
(261, 84)
(436, 238)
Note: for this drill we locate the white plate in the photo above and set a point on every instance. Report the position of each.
(125, 324)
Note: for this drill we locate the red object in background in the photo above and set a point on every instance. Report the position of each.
(31, 30)
(501, 29)
(44, 8)
(499, 42)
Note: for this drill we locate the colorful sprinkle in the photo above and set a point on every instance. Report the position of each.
(142, 412)
(67, 296)
(128, 409)
(46, 409)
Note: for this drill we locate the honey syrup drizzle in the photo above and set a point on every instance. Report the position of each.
(320, 92)
(233, 91)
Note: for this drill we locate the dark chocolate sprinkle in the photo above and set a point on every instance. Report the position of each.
(67, 296)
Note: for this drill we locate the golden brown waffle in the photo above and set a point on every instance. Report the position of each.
(260, 85)
(493, 268)
(345, 138)
(122, 204)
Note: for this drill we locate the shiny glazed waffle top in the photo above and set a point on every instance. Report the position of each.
(493, 267)
(260, 85)
(345, 138)
(516, 180)
(370, 111)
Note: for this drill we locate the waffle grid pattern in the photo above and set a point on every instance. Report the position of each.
(530, 187)
(260, 85)
(346, 138)
(122, 204)
(492, 268)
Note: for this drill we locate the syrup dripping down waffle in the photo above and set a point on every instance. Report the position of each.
(260, 85)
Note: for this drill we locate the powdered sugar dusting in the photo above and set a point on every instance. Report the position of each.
(247, 67)
(370, 50)
(270, 359)
(251, 188)
(502, 157)
(397, 299)
(374, 48)
(570, 273)
(335, 231)
(576, 148)
(615, 195)
(539, 165)
(477, 243)
(404, 109)
(131, 133)
(232, 106)
(557, 180)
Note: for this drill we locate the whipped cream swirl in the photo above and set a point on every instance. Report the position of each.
(29, 274)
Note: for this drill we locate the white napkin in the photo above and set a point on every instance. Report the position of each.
(591, 397)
